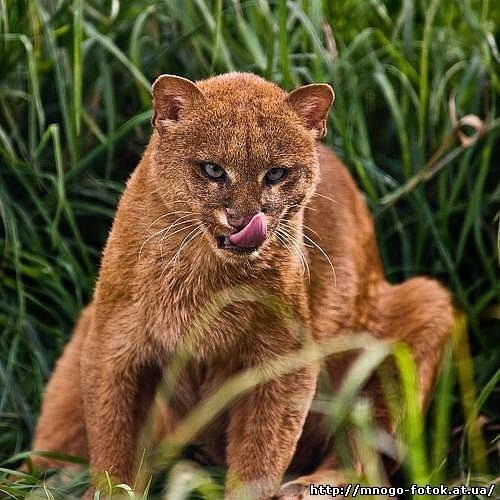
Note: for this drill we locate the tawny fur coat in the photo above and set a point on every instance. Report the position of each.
(152, 302)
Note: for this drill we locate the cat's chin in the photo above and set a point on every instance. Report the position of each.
(224, 243)
(238, 257)
(233, 252)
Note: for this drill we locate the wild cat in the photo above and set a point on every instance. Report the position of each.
(233, 192)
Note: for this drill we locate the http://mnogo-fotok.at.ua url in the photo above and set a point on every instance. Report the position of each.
(357, 490)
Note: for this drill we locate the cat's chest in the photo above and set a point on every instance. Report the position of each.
(202, 317)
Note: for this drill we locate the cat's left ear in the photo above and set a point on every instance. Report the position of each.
(173, 96)
(311, 103)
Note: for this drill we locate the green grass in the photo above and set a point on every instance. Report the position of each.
(74, 118)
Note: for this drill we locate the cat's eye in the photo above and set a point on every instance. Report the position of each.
(275, 175)
(213, 171)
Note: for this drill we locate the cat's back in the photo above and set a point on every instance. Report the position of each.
(343, 252)
(338, 210)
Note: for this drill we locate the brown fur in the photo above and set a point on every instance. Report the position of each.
(141, 312)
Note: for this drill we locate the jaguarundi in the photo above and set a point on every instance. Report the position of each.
(234, 192)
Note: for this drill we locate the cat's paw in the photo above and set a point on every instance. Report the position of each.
(300, 488)
(293, 490)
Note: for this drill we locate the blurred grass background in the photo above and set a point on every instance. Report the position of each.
(74, 118)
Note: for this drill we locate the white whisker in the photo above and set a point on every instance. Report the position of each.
(197, 230)
(325, 255)
(303, 206)
(190, 223)
(293, 241)
(289, 224)
(318, 247)
(147, 239)
(325, 197)
(189, 226)
(173, 213)
(282, 240)
(292, 251)
(186, 243)
(188, 214)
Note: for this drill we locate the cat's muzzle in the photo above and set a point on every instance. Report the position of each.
(247, 239)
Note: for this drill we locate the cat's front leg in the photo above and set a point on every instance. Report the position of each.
(118, 382)
(264, 428)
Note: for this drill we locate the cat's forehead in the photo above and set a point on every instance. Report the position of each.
(243, 99)
(243, 96)
(246, 121)
(250, 136)
(241, 87)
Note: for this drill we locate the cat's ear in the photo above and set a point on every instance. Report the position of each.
(172, 95)
(311, 103)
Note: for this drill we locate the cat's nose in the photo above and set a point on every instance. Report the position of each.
(237, 220)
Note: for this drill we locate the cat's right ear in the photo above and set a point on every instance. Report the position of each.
(172, 96)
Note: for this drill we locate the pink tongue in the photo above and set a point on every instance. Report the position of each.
(253, 234)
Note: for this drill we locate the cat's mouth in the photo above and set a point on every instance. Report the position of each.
(247, 239)
(224, 243)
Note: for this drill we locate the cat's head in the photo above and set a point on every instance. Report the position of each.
(240, 152)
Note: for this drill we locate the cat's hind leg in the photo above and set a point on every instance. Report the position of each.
(417, 312)
(420, 314)
(61, 427)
